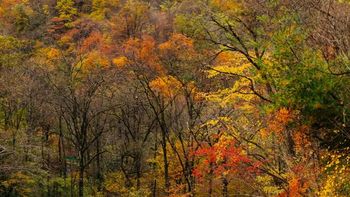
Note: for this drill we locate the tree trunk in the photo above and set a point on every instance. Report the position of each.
(211, 180)
(81, 175)
(71, 180)
(224, 187)
(154, 184)
(166, 164)
(61, 150)
(98, 165)
(138, 169)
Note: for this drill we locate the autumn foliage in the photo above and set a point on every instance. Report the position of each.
(174, 98)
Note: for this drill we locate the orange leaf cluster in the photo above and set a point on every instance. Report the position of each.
(293, 189)
(166, 86)
(301, 139)
(178, 46)
(142, 52)
(92, 42)
(279, 120)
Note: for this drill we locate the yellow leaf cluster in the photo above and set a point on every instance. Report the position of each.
(230, 62)
(239, 96)
(267, 185)
(101, 7)
(166, 86)
(47, 57)
(20, 182)
(336, 174)
(120, 62)
(53, 53)
(93, 60)
(231, 6)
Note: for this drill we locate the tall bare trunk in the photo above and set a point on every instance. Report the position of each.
(81, 174)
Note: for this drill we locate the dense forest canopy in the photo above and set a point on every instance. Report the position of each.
(174, 98)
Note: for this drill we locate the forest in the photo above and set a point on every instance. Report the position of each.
(177, 98)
